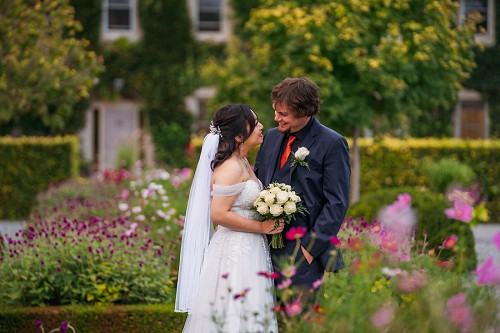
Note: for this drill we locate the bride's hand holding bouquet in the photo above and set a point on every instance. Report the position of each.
(280, 202)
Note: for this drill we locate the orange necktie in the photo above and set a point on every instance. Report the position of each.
(288, 149)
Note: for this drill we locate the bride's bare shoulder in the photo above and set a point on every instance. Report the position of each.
(228, 173)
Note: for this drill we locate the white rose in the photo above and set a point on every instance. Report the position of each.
(281, 197)
(269, 199)
(290, 207)
(294, 197)
(288, 188)
(263, 194)
(301, 153)
(276, 210)
(262, 208)
(274, 190)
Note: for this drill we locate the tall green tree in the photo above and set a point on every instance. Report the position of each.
(370, 58)
(45, 71)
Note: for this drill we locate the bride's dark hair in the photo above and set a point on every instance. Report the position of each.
(232, 120)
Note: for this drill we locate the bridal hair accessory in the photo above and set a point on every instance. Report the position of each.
(215, 130)
(198, 227)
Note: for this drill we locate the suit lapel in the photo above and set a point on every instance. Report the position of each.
(308, 141)
(272, 163)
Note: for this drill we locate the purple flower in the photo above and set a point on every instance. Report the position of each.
(496, 240)
(64, 326)
(488, 273)
(461, 211)
(39, 323)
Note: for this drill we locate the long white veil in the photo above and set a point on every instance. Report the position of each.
(198, 228)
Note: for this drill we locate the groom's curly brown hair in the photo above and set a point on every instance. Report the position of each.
(299, 95)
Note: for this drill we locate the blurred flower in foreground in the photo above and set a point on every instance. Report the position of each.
(294, 308)
(459, 313)
(383, 317)
(461, 211)
(488, 273)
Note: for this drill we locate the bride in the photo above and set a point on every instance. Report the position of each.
(224, 276)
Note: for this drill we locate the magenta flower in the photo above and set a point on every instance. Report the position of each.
(383, 317)
(39, 323)
(496, 240)
(459, 313)
(242, 294)
(335, 241)
(403, 202)
(295, 233)
(488, 273)
(318, 283)
(273, 275)
(294, 308)
(461, 211)
(64, 326)
(450, 241)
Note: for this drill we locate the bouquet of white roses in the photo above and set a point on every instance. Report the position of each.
(278, 201)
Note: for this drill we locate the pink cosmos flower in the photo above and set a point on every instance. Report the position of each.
(295, 233)
(383, 317)
(318, 283)
(408, 283)
(461, 211)
(488, 273)
(459, 313)
(284, 284)
(294, 308)
(450, 241)
(403, 202)
(242, 294)
(496, 240)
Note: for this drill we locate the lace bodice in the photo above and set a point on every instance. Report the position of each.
(248, 193)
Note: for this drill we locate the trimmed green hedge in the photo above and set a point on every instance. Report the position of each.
(94, 319)
(29, 165)
(430, 219)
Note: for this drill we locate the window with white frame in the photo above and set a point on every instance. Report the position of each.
(119, 19)
(210, 19)
(483, 11)
(209, 15)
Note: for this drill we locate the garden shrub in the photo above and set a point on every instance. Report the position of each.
(29, 165)
(102, 319)
(431, 219)
(446, 172)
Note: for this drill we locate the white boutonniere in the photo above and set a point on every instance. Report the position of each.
(299, 157)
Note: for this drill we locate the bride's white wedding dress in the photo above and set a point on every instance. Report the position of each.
(232, 296)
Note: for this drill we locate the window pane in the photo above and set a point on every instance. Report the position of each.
(119, 19)
(209, 15)
(119, 2)
(475, 7)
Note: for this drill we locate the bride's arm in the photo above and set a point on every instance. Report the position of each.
(230, 173)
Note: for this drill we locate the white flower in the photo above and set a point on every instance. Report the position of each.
(137, 209)
(262, 208)
(290, 207)
(294, 197)
(301, 153)
(276, 210)
(123, 206)
(269, 198)
(275, 190)
(263, 194)
(281, 197)
(288, 188)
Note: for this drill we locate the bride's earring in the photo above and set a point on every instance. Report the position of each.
(241, 149)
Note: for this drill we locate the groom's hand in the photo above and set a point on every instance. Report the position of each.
(307, 255)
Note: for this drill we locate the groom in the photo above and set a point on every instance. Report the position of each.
(323, 184)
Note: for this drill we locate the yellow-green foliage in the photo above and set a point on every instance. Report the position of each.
(29, 165)
(103, 319)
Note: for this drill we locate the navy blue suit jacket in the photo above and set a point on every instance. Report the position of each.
(323, 188)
